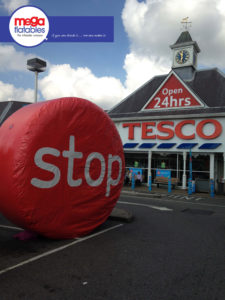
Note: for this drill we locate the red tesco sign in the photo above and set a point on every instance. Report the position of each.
(169, 129)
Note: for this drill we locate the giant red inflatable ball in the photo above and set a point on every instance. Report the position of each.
(62, 167)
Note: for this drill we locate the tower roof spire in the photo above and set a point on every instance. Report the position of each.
(185, 39)
(186, 23)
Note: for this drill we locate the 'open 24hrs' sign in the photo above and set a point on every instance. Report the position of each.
(173, 94)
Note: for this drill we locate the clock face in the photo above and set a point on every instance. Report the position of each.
(182, 56)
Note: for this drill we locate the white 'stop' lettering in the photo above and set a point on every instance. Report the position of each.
(73, 155)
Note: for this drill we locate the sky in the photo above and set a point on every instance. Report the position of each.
(105, 73)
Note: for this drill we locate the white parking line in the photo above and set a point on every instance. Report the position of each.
(176, 196)
(194, 203)
(147, 205)
(11, 227)
(58, 249)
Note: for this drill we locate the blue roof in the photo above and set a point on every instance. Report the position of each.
(210, 146)
(166, 145)
(147, 145)
(171, 145)
(130, 145)
(187, 145)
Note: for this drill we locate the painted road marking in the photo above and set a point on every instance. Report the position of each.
(173, 200)
(182, 197)
(194, 203)
(58, 249)
(147, 205)
(11, 227)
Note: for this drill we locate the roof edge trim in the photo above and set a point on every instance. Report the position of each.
(143, 85)
(182, 116)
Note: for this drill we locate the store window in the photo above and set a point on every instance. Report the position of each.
(138, 160)
(172, 161)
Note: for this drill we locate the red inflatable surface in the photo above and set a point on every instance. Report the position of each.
(62, 167)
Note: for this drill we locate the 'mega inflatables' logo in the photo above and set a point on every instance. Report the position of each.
(29, 26)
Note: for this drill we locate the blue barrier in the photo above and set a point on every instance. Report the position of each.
(169, 184)
(212, 190)
(133, 181)
(150, 183)
(167, 174)
(190, 175)
(193, 186)
(190, 189)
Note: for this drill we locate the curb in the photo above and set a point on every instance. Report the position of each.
(142, 194)
(121, 215)
(160, 196)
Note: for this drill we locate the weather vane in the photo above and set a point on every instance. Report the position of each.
(186, 23)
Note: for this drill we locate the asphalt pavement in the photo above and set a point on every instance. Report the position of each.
(178, 194)
(173, 249)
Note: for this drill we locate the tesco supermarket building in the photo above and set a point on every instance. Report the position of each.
(174, 116)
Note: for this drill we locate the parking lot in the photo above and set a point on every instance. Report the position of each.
(172, 250)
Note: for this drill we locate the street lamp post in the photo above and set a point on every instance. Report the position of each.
(36, 65)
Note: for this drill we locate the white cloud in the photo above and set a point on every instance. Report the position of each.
(9, 92)
(153, 25)
(11, 5)
(12, 60)
(140, 68)
(64, 81)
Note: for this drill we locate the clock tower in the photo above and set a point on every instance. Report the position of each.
(185, 52)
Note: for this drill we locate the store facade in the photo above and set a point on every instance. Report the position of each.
(177, 117)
